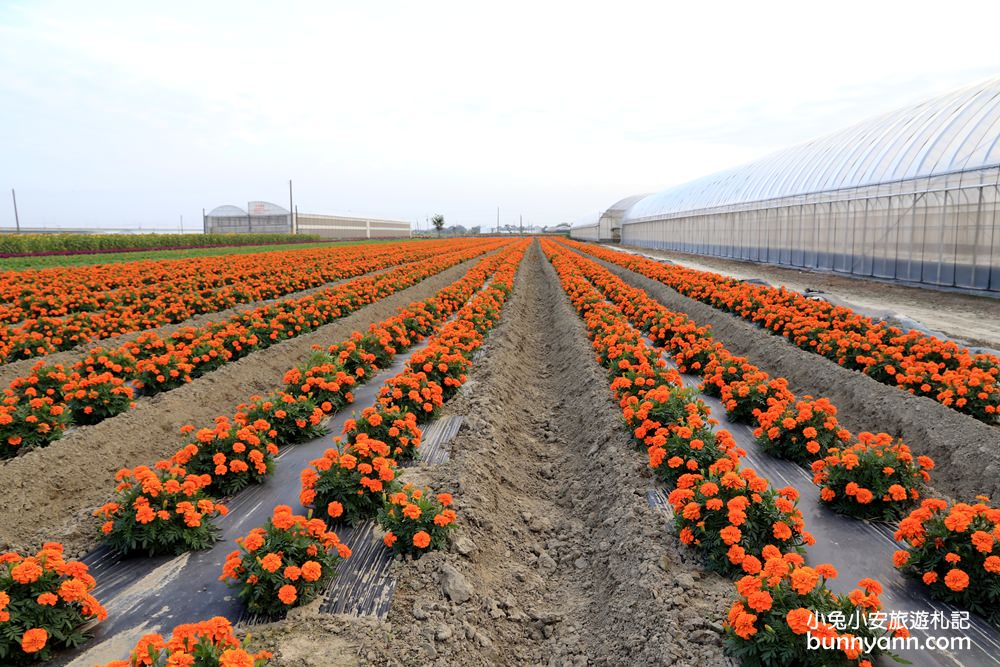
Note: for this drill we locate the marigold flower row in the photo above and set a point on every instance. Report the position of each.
(170, 509)
(737, 521)
(35, 410)
(873, 477)
(918, 363)
(57, 309)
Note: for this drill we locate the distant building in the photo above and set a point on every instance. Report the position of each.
(262, 217)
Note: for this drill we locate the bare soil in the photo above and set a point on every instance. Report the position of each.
(49, 493)
(558, 559)
(972, 319)
(967, 451)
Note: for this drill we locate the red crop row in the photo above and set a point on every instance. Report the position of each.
(58, 309)
(36, 409)
(732, 515)
(917, 363)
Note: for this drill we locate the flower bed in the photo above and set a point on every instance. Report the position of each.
(918, 363)
(210, 643)
(45, 605)
(952, 549)
(284, 564)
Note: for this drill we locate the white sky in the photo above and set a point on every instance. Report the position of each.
(119, 114)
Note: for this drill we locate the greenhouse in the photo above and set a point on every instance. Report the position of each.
(910, 196)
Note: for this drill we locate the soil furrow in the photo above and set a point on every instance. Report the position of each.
(558, 560)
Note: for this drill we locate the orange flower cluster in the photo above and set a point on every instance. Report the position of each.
(323, 380)
(160, 510)
(284, 564)
(292, 418)
(954, 550)
(803, 431)
(727, 511)
(415, 521)
(350, 478)
(393, 426)
(915, 362)
(45, 603)
(105, 382)
(800, 431)
(234, 455)
(210, 643)
(60, 308)
(877, 478)
(786, 600)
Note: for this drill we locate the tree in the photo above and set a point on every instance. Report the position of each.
(438, 222)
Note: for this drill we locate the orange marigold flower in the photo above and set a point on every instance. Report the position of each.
(421, 540)
(956, 580)
(271, 562)
(799, 620)
(389, 539)
(47, 599)
(982, 541)
(730, 534)
(335, 509)
(760, 601)
(33, 640)
(236, 657)
(311, 570)
(804, 580)
(288, 594)
(27, 571)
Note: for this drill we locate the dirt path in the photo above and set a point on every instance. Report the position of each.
(558, 559)
(974, 319)
(967, 451)
(49, 493)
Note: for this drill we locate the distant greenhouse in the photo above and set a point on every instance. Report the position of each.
(912, 195)
(265, 217)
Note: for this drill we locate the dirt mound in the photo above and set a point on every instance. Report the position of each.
(50, 492)
(558, 559)
(967, 451)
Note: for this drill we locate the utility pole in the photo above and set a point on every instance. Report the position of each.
(498, 219)
(17, 220)
(182, 223)
(520, 224)
(291, 208)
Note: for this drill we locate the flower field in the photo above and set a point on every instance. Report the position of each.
(623, 486)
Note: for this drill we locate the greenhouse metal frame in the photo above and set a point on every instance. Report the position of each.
(911, 196)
